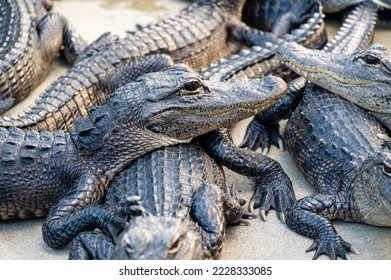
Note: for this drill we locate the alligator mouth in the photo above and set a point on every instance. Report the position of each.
(318, 74)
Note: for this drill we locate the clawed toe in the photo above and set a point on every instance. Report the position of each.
(333, 249)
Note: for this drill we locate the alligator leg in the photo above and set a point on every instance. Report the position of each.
(207, 212)
(310, 217)
(263, 130)
(48, 29)
(273, 186)
(79, 211)
(105, 40)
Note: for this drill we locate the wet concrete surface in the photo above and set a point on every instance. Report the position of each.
(261, 240)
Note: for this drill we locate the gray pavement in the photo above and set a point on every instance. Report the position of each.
(269, 240)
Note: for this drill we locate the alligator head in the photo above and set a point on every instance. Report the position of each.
(372, 189)
(178, 104)
(159, 238)
(363, 78)
(166, 108)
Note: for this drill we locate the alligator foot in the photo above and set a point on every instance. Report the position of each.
(91, 245)
(116, 217)
(333, 246)
(233, 211)
(259, 134)
(273, 190)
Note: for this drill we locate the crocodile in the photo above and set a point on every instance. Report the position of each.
(185, 206)
(199, 35)
(30, 39)
(157, 109)
(356, 32)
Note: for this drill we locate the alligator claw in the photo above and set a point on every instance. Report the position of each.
(280, 145)
(275, 192)
(134, 198)
(137, 208)
(281, 216)
(116, 217)
(262, 214)
(334, 248)
(262, 135)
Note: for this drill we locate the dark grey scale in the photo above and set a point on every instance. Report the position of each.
(156, 38)
(29, 151)
(337, 147)
(25, 42)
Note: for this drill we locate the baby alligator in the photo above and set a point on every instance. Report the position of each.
(30, 39)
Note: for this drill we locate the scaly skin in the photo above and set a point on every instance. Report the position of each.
(344, 154)
(30, 40)
(172, 171)
(356, 32)
(364, 77)
(341, 150)
(197, 36)
(158, 109)
(260, 60)
(185, 208)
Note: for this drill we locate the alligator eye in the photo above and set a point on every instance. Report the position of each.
(370, 59)
(192, 86)
(387, 169)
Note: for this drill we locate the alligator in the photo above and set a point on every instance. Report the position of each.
(199, 35)
(30, 39)
(345, 155)
(185, 206)
(343, 151)
(356, 31)
(158, 109)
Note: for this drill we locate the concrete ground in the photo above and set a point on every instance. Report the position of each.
(269, 240)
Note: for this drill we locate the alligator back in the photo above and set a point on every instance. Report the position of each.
(166, 180)
(330, 138)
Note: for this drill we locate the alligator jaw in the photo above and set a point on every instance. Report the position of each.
(350, 76)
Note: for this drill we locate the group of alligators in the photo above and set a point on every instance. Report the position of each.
(123, 153)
